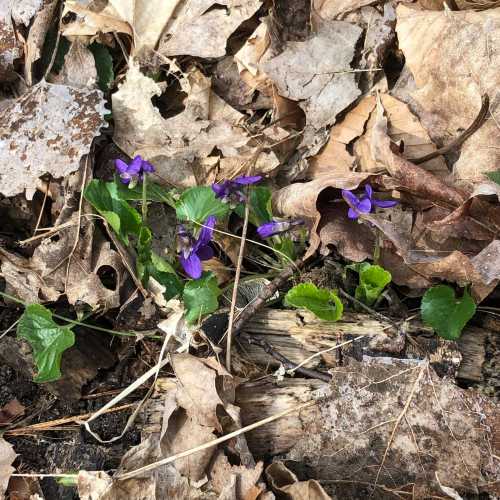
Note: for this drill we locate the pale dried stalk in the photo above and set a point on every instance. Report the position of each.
(214, 442)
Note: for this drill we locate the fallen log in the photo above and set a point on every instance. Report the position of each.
(298, 335)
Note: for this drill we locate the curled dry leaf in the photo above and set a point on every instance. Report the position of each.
(320, 78)
(7, 456)
(47, 130)
(453, 57)
(70, 261)
(201, 28)
(299, 200)
(283, 481)
(180, 147)
(183, 413)
(36, 36)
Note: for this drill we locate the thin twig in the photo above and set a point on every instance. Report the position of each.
(267, 293)
(368, 309)
(46, 426)
(475, 125)
(214, 442)
(236, 283)
(289, 365)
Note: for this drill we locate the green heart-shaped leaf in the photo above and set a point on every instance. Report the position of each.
(201, 297)
(441, 310)
(47, 339)
(322, 302)
(198, 203)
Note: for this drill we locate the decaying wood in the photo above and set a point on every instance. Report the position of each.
(371, 416)
(299, 334)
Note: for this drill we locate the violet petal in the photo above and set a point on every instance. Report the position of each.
(191, 265)
(385, 203)
(205, 252)
(249, 179)
(352, 214)
(364, 206)
(350, 197)
(369, 191)
(207, 231)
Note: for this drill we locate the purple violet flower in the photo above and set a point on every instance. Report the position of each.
(365, 204)
(275, 227)
(192, 251)
(133, 172)
(231, 190)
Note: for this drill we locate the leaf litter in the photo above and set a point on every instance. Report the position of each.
(349, 148)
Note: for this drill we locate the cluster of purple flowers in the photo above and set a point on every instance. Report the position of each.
(193, 250)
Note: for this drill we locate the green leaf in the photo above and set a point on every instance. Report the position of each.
(47, 339)
(154, 192)
(151, 265)
(286, 246)
(441, 310)
(494, 176)
(201, 297)
(322, 302)
(372, 281)
(103, 64)
(197, 203)
(124, 219)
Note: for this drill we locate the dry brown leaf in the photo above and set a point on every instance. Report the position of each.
(334, 157)
(402, 126)
(283, 481)
(252, 56)
(47, 130)
(143, 20)
(299, 200)
(68, 262)
(10, 47)
(320, 78)
(335, 9)
(10, 411)
(7, 456)
(201, 28)
(36, 37)
(454, 58)
(409, 177)
(12, 15)
(179, 146)
(79, 68)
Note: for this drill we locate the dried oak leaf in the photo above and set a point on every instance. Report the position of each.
(319, 78)
(181, 146)
(454, 57)
(79, 68)
(201, 28)
(10, 411)
(402, 125)
(47, 130)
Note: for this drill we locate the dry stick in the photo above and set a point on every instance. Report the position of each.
(214, 442)
(398, 420)
(368, 309)
(485, 105)
(289, 365)
(236, 283)
(45, 426)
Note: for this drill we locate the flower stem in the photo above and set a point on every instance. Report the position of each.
(144, 199)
